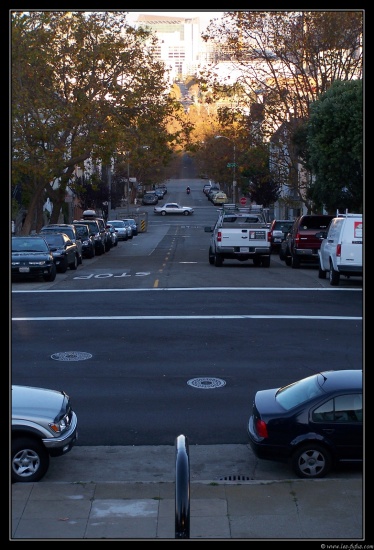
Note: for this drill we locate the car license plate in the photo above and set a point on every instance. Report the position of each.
(244, 249)
(277, 240)
(24, 269)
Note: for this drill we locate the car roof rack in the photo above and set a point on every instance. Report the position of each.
(231, 207)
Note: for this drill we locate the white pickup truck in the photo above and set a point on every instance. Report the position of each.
(240, 233)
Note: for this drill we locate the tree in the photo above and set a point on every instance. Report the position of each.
(80, 80)
(335, 144)
(281, 63)
(261, 188)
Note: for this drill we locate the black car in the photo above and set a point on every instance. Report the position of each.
(91, 215)
(98, 234)
(64, 251)
(150, 198)
(160, 193)
(70, 231)
(134, 225)
(87, 239)
(32, 258)
(278, 232)
(314, 423)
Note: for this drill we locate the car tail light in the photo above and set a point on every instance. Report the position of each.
(297, 237)
(261, 428)
(219, 236)
(270, 235)
(338, 250)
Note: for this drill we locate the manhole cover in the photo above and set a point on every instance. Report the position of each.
(206, 383)
(71, 356)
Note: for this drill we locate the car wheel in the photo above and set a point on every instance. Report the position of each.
(256, 261)
(30, 460)
(334, 276)
(186, 213)
(288, 260)
(295, 262)
(211, 257)
(163, 213)
(63, 266)
(311, 461)
(282, 255)
(218, 261)
(321, 273)
(73, 266)
(265, 262)
(92, 252)
(80, 260)
(51, 275)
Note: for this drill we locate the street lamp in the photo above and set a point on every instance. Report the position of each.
(231, 165)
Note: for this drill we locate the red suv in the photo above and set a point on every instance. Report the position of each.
(301, 244)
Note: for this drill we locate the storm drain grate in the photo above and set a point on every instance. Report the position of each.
(235, 478)
(71, 356)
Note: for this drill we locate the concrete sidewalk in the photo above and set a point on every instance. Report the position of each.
(127, 493)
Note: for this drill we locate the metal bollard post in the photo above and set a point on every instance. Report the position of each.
(182, 489)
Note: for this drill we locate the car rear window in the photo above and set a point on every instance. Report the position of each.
(298, 392)
(283, 226)
(315, 222)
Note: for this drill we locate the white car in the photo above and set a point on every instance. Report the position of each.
(173, 208)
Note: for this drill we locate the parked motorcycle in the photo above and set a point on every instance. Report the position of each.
(188, 190)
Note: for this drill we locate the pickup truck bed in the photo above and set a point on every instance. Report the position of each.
(240, 236)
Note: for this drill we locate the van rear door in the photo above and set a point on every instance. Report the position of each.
(351, 241)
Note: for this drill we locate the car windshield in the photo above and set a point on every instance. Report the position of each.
(69, 232)
(92, 227)
(29, 245)
(81, 231)
(54, 240)
(298, 392)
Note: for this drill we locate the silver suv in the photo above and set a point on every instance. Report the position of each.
(44, 425)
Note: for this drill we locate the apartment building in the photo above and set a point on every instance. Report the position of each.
(180, 44)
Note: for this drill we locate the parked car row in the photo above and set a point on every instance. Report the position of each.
(59, 247)
(212, 192)
(333, 243)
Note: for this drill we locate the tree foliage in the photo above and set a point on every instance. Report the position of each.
(81, 83)
(335, 145)
(281, 64)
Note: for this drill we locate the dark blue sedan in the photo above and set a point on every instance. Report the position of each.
(313, 423)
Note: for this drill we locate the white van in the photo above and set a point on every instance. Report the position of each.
(341, 249)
